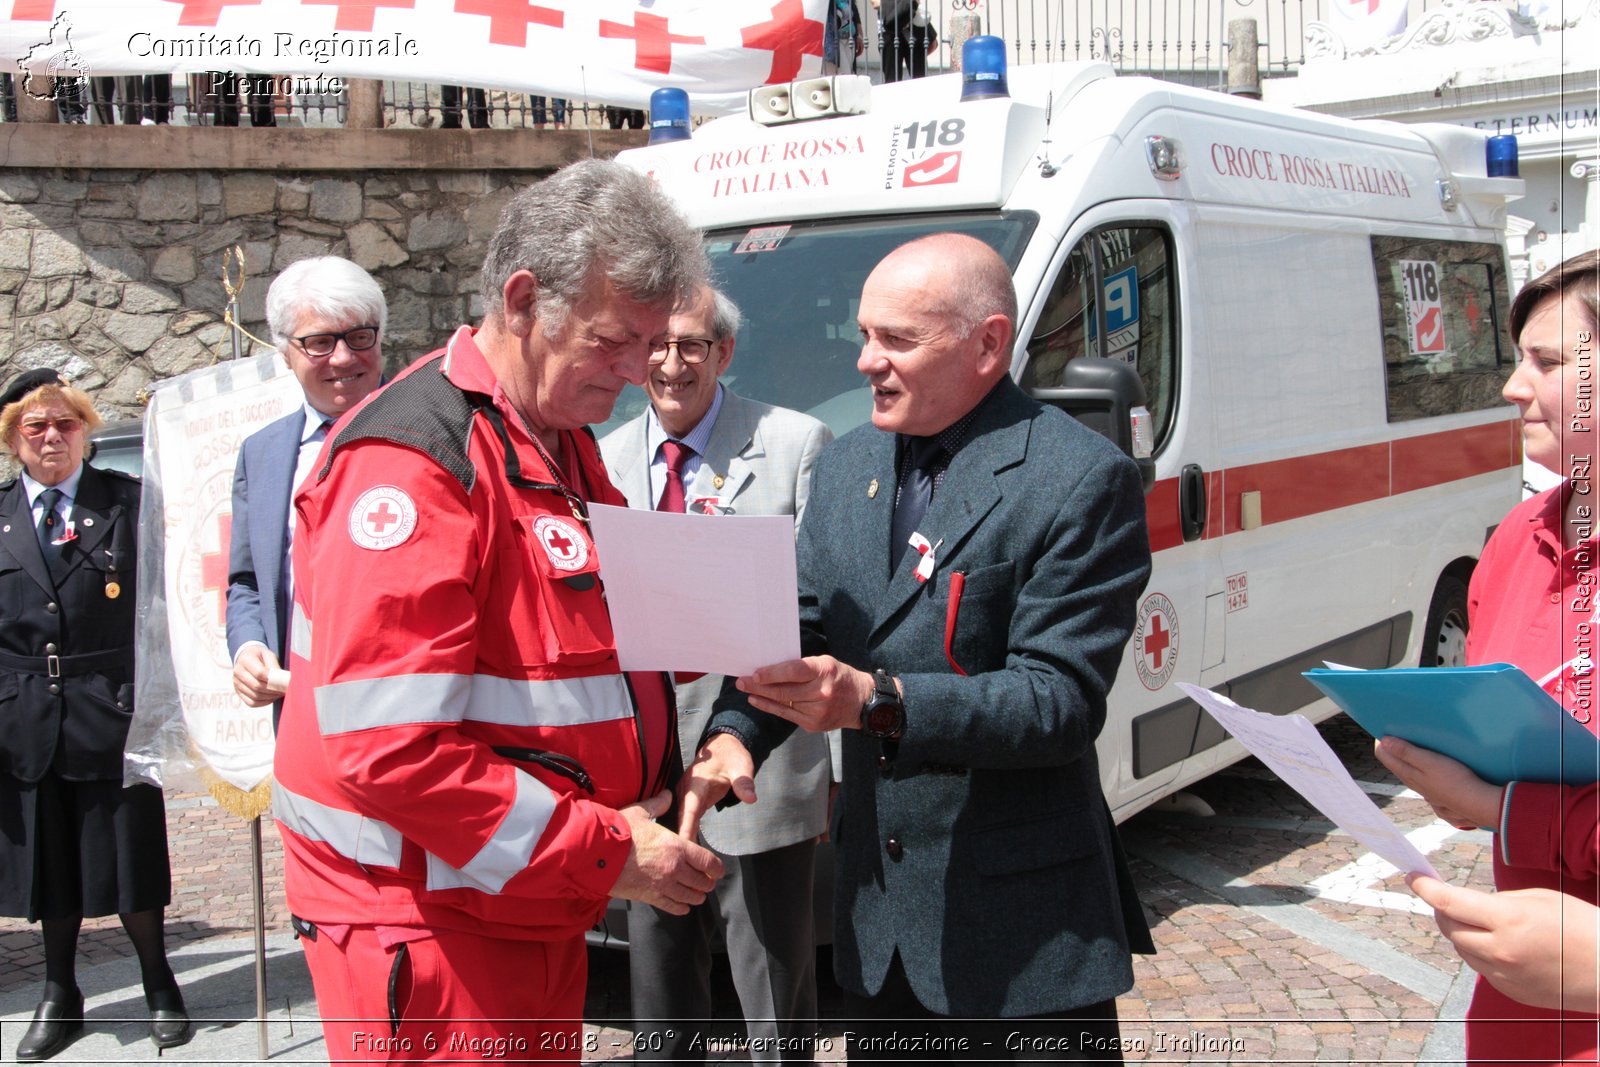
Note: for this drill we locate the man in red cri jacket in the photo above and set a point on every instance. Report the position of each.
(464, 773)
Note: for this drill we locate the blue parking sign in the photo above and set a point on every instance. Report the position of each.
(1122, 299)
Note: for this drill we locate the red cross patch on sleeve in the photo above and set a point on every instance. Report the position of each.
(383, 517)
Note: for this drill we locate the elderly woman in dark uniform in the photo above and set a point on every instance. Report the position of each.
(73, 840)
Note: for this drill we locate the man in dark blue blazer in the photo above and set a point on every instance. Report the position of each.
(965, 652)
(327, 317)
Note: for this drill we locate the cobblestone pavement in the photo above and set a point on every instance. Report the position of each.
(1277, 939)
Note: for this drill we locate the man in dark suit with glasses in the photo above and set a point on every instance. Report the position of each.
(327, 317)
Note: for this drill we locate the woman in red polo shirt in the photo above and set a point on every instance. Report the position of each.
(1533, 603)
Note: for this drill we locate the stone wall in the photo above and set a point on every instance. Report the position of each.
(113, 274)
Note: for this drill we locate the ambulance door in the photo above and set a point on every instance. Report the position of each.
(1308, 521)
(1115, 289)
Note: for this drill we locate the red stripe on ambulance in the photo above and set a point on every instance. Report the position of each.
(1302, 486)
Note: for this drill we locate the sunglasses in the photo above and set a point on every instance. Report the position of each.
(37, 428)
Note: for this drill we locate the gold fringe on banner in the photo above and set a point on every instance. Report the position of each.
(230, 798)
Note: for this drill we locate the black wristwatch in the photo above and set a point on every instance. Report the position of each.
(884, 715)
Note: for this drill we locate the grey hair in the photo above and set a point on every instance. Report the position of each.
(594, 219)
(728, 317)
(329, 286)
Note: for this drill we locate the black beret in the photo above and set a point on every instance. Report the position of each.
(27, 382)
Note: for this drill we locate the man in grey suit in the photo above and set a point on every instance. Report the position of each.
(969, 569)
(703, 449)
(327, 316)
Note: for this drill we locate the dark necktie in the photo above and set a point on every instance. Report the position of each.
(672, 497)
(50, 528)
(916, 492)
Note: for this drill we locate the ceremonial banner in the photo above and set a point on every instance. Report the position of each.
(1366, 23)
(604, 51)
(187, 716)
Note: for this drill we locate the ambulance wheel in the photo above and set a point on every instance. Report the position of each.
(1444, 642)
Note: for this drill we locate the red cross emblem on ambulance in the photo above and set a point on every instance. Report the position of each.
(1155, 641)
(563, 542)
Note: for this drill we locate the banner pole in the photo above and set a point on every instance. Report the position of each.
(259, 895)
(231, 256)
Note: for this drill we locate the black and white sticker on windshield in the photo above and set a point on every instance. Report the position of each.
(762, 239)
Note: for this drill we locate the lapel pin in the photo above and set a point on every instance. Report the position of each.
(113, 589)
(8, 528)
(872, 490)
(88, 522)
(717, 481)
(926, 564)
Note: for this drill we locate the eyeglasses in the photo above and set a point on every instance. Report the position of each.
(356, 339)
(65, 425)
(690, 349)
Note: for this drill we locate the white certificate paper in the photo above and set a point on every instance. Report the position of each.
(1295, 752)
(697, 592)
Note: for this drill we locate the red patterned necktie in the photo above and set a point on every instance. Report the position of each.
(672, 496)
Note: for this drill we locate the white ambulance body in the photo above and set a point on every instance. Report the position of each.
(1316, 308)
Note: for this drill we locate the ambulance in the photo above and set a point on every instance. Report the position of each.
(1314, 308)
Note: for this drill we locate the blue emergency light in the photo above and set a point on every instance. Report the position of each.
(983, 68)
(669, 116)
(1500, 156)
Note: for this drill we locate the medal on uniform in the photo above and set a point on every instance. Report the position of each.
(872, 490)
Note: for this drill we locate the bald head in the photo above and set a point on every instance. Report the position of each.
(975, 281)
(937, 319)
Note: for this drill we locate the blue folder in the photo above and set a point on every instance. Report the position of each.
(1493, 718)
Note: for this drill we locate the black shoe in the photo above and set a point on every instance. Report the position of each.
(54, 1023)
(169, 1021)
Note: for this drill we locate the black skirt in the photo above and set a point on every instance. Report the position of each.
(81, 848)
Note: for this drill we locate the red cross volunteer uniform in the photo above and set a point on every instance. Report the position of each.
(457, 736)
(1532, 603)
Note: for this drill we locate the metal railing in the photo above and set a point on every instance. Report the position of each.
(1179, 40)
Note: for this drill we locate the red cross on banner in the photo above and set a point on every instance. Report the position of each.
(205, 12)
(508, 19)
(788, 35)
(653, 51)
(358, 14)
(33, 10)
(214, 567)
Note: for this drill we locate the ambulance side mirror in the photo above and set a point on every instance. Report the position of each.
(1107, 396)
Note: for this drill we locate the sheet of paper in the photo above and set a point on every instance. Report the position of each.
(696, 592)
(1292, 748)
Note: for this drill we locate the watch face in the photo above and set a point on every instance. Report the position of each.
(882, 719)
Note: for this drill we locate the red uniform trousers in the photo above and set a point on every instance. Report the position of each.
(401, 995)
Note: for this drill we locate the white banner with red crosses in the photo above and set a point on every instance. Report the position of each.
(602, 51)
(187, 716)
(1367, 23)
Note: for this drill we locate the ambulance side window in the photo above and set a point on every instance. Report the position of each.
(1134, 320)
(1442, 337)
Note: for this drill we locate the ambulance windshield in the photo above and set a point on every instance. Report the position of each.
(799, 286)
